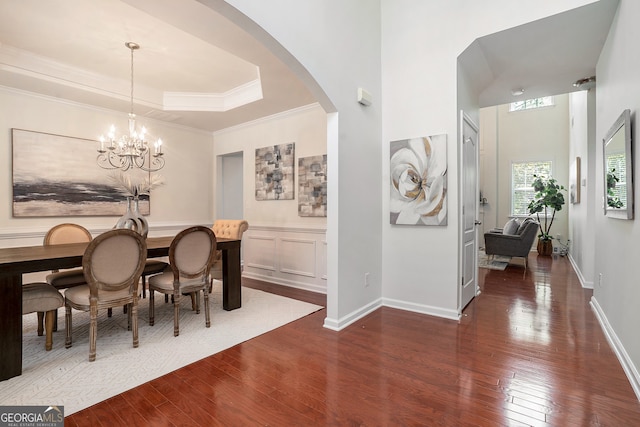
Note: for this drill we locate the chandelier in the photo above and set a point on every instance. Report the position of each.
(132, 150)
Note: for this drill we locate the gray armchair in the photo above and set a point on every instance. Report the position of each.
(513, 243)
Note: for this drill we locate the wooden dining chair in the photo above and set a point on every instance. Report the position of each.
(113, 263)
(190, 258)
(58, 235)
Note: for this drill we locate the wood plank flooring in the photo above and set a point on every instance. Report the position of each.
(528, 351)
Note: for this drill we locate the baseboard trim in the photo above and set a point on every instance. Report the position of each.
(617, 347)
(354, 316)
(421, 308)
(583, 282)
(285, 282)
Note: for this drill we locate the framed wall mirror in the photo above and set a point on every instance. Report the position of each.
(618, 169)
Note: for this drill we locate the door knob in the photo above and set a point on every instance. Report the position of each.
(476, 222)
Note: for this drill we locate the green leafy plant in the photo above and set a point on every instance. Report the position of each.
(612, 200)
(548, 198)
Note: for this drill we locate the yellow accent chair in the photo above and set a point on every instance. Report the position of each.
(226, 229)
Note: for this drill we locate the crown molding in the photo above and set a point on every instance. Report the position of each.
(24, 63)
(217, 102)
(277, 116)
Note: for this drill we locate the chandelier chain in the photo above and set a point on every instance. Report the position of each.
(131, 97)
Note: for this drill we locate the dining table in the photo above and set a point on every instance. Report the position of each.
(16, 261)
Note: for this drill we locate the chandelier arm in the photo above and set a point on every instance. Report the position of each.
(105, 161)
(155, 165)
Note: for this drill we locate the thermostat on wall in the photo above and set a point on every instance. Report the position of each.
(364, 97)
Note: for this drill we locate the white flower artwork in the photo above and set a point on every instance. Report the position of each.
(419, 181)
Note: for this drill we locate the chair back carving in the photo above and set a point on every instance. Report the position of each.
(114, 261)
(67, 233)
(192, 252)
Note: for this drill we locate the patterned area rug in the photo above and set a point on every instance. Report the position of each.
(66, 377)
(497, 262)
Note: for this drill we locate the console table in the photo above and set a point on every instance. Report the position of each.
(14, 262)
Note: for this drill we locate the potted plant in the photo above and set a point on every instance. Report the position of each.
(548, 198)
(613, 200)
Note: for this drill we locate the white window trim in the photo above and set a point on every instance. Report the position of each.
(541, 214)
(553, 104)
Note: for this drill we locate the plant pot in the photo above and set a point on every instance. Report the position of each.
(545, 247)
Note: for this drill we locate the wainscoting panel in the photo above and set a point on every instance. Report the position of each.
(259, 252)
(289, 256)
(298, 256)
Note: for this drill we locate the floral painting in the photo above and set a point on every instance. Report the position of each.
(55, 175)
(274, 172)
(419, 181)
(312, 186)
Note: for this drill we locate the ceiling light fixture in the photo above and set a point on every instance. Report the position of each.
(586, 83)
(129, 151)
(517, 92)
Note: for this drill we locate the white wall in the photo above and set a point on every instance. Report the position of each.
(421, 43)
(617, 251)
(307, 128)
(582, 215)
(280, 246)
(335, 46)
(488, 171)
(184, 199)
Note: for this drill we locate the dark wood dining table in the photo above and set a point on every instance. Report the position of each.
(14, 262)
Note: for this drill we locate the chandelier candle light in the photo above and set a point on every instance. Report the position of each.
(132, 150)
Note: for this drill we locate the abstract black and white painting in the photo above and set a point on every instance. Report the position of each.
(275, 172)
(419, 181)
(312, 186)
(56, 175)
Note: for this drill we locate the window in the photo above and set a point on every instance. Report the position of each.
(546, 101)
(521, 179)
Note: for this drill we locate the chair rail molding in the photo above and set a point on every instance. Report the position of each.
(33, 236)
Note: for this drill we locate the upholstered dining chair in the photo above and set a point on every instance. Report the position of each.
(112, 263)
(45, 300)
(58, 235)
(151, 267)
(226, 229)
(190, 258)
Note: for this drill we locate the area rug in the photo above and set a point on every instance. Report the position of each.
(66, 377)
(496, 262)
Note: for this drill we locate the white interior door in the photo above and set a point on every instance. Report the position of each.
(470, 195)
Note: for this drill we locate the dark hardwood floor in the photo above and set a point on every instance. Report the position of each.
(528, 351)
